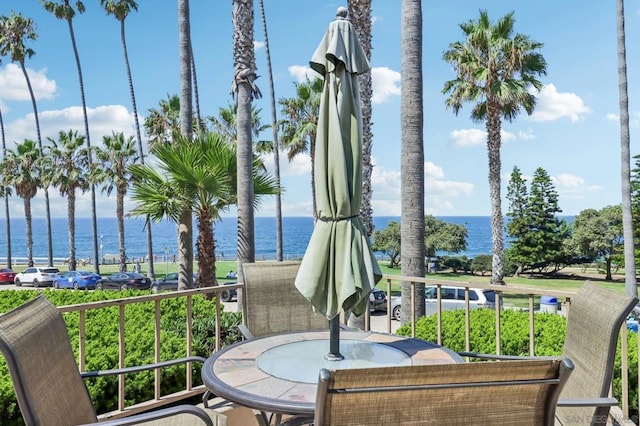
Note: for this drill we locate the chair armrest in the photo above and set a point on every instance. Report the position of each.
(161, 414)
(245, 332)
(587, 402)
(145, 367)
(503, 357)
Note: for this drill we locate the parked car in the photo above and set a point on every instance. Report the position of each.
(7, 275)
(76, 279)
(451, 298)
(377, 300)
(124, 281)
(169, 282)
(36, 276)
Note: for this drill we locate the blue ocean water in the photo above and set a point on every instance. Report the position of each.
(296, 233)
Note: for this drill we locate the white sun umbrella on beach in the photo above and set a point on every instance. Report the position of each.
(338, 270)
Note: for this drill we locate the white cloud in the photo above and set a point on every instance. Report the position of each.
(299, 165)
(103, 121)
(473, 137)
(567, 181)
(468, 137)
(385, 83)
(553, 105)
(302, 72)
(612, 117)
(257, 45)
(13, 86)
(526, 134)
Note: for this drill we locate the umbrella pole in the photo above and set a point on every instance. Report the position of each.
(334, 340)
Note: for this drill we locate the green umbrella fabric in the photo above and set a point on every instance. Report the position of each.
(339, 270)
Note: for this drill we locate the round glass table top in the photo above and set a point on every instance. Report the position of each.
(301, 361)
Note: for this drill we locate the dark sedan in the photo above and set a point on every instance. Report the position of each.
(76, 279)
(124, 281)
(169, 282)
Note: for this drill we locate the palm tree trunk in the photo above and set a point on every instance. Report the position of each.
(186, 128)
(71, 212)
(29, 230)
(94, 219)
(244, 89)
(497, 228)
(412, 154)
(46, 189)
(185, 242)
(206, 250)
(150, 269)
(120, 217)
(276, 146)
(6, 197)
(627, 216)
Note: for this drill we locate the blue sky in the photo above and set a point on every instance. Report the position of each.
(573, 134)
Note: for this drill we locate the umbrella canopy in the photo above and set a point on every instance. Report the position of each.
(339, 270)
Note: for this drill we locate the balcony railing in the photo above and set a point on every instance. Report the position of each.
(531, 294)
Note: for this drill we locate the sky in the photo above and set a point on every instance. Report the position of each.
(574, 132)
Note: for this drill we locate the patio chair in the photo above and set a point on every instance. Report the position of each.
(49, 388)
(595, 317)
(273, 304)
(509, 393)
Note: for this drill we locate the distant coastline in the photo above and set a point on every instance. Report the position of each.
(296, 233)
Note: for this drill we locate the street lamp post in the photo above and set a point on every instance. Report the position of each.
(166, 261)
(102, 249)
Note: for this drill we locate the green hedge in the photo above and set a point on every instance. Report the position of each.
(102, 343)
(548, 339)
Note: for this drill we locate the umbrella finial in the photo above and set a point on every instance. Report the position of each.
(342, 13)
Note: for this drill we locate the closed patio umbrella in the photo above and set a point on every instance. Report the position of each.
(338, 270)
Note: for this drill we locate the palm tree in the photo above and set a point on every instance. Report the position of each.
(111, 170)
(360, 16)
(120, 9)
(276, 146)
(300, 123)
(243, 89)
(496, 70)
(19, 169)
(6, 193)
(627, 216)
(412, 155)
(15, 30)
(65, 11)
(197, 176)
(227, 126)
(163, 124)
(66, 168)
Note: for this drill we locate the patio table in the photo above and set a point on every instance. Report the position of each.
(279, 373)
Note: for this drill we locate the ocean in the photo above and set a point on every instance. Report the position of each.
(296, 233)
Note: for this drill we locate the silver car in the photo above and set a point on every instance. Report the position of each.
(36, 276)
(451, 298)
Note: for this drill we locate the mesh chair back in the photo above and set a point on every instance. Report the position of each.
(505, 392)
(595, 317)
(47, 383)
(273, 304)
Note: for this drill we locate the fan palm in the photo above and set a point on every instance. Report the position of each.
(111, 171)
(20, 170)
(199, 176)
(496, 70)
(300, 122)
(65, 166)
